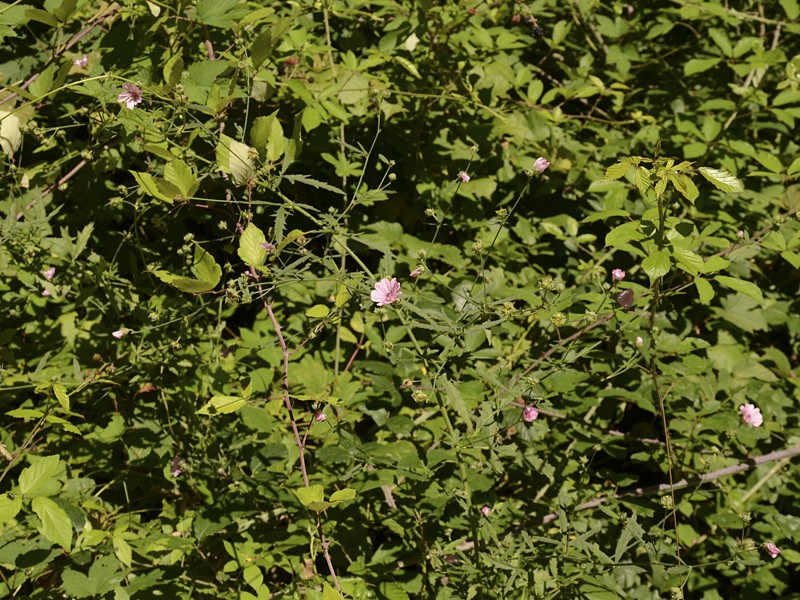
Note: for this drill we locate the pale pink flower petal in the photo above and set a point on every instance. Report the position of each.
(485, 510)
(131, 96)
(740, 233)
(639, 340)
(772, 549)
(82, 62)
(45, 293)
(119, 333)
(320, 417)
(49, 273)
(530, 414)
(463, 176)
(540, 165)
(751, 415)
(386, 291)
(175, 466)
(617, 274)
(418, 271)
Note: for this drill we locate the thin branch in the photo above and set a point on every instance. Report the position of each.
(683, 483)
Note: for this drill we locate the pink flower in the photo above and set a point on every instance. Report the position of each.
(530, 414)
(418, 271)
(772, 549)
(540, 165)
(463, 176)
(740, 233)
(269, 247)
(45, 293)
(625, 299)
(82, 62)
(320, 417)
(485, 510)
(49, 273)
(751, 415)
(617, 274)
(119, 333)
(175, 466)
(639, 340)
(131, 97)
(386, 291)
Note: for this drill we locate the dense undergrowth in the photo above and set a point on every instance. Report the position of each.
(584, 386)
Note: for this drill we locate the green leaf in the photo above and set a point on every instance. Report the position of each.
(61, 395)
(606, 214)
(616, 171)
(343, 495)
(314, 183)
(329, 593)
(173, 69)
(266, 136)
(456, 402)
(722, 179)
(56, 526)
(250, 248)
(205, 268)
(149, 185)
(220, 13)
(769, 160)
(182, 177)
(689, 261)
(38, 475)
(318, 311)
(9, 507)
(312, 497)
(622, 234)
(122, 550)
(698, 65)
(10, 133)
(408, 66)
(221, 405)
(704, 290)
(745, 287)
(102, 577)
(236, 159)
(657, 264)
(185, 284)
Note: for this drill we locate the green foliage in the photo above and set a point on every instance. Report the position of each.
(202, 398)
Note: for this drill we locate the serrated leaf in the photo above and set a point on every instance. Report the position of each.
(769, 160)
(9, 507)
(722, 179)
(185, 284)
(38, 475)
(616, 171)
(343, 495)
(698, 65)
(61, 395)
(318, 311)
(745, 287)
(122, 550)
(329, 593)
(309, 495)
(205, 268)
(266, 136)
(56, 526)
(235, 158)
(179, 174)
(657, 264)
(102, 577)
(690, 262)
(149, 185)
(250, 248)
(456, 402)
(10, 133)
(221, 405)
(313, 183)
(705, 290)
(622, 234)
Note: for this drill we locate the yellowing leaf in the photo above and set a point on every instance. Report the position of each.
(250, 248)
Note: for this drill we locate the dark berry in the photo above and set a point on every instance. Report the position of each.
(537, 31)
